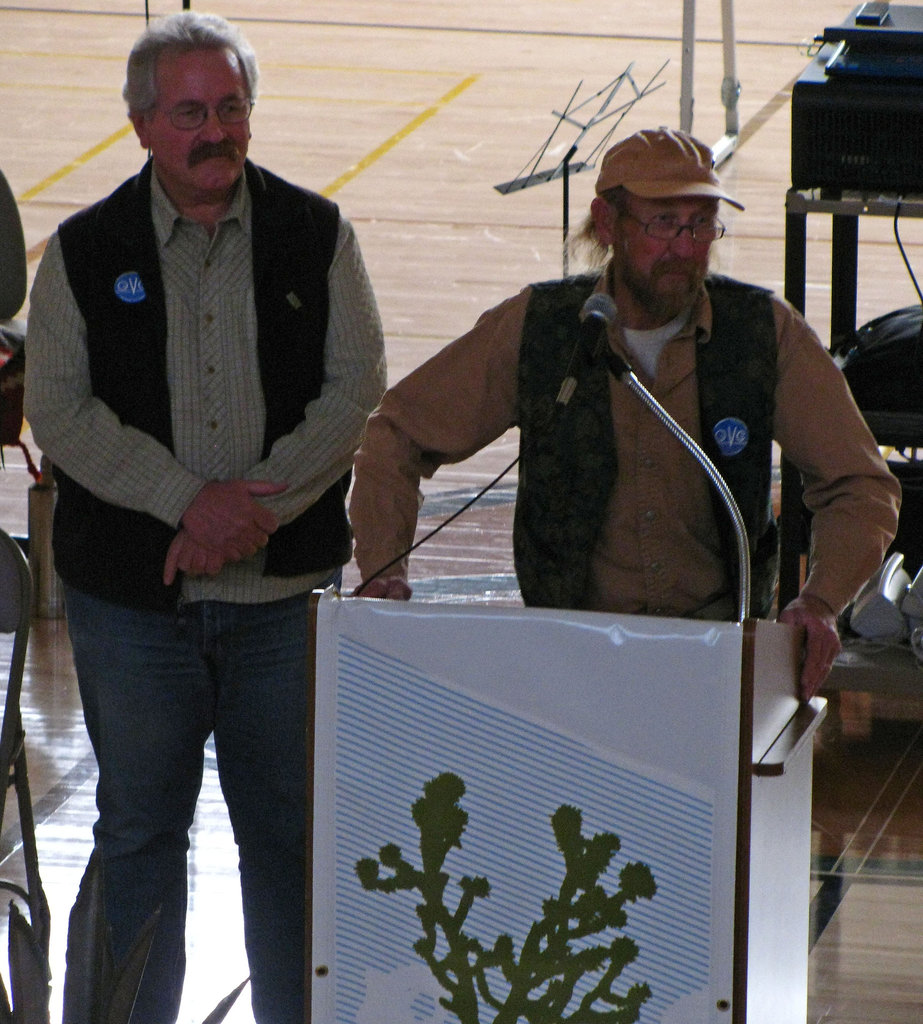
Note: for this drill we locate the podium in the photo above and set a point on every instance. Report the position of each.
(471, 762)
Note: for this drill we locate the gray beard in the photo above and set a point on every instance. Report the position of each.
(663, 306)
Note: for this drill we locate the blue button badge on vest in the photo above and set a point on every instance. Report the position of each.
(129, 287)
(731, 435)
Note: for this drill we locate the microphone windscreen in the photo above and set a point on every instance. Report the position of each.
(601, 306)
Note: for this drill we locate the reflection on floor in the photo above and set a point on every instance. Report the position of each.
(867, 959)
(866, 964)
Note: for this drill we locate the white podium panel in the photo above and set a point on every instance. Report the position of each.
(634, 722)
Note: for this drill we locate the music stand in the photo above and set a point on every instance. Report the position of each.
(531, 175)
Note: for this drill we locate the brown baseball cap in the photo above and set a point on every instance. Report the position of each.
(661, 164)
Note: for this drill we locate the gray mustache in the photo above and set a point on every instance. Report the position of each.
(210, 150)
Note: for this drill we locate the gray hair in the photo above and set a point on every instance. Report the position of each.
(182, 33)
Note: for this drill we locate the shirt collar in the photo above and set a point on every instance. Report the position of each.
(166, 216)
(701, 319)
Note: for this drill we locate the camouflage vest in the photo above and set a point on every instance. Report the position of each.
(568, 462)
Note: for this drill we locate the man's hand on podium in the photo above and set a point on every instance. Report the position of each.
(396, 588)
(821, 640)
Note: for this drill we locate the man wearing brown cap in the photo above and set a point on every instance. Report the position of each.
(612, 513)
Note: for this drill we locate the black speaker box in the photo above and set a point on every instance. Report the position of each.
(856, 133)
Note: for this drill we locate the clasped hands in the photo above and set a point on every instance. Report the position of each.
(224, 523)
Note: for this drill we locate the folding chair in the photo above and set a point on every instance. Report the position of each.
(15, 619)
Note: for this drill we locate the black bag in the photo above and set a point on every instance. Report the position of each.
(884, 369)
(883, 365)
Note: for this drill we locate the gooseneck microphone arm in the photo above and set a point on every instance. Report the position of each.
(604, 309)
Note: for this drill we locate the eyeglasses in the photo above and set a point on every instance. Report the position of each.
(191, 115)
(666, 227)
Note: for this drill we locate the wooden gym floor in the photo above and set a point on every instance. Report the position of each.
(408, 114)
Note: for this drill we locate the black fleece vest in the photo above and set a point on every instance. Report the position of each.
(110, 248)
(568, 462)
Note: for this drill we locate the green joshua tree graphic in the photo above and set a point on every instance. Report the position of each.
(540, 986)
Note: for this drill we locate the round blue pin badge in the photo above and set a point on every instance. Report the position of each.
(129, 287)
(732, 435)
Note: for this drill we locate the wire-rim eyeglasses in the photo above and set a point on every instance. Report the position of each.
(189, 115)
(666, 227)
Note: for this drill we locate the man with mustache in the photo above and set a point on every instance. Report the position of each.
(612, 513)
(204, 350)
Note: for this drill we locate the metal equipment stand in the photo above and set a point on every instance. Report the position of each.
(730, 86)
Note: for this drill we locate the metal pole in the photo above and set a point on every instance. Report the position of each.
(688, 52)
(730, 87)
(566, 204)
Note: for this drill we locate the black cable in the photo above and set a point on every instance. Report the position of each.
(900, 247)
(918, 348)
(435, 530)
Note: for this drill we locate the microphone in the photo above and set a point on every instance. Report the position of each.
(598, 314)
(599, 311)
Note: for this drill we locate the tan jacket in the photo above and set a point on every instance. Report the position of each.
(658, 552)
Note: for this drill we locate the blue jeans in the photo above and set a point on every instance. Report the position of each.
(154, 686)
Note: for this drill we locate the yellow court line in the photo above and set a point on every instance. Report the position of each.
(75, 164)
(389, 144)
(335, 186)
